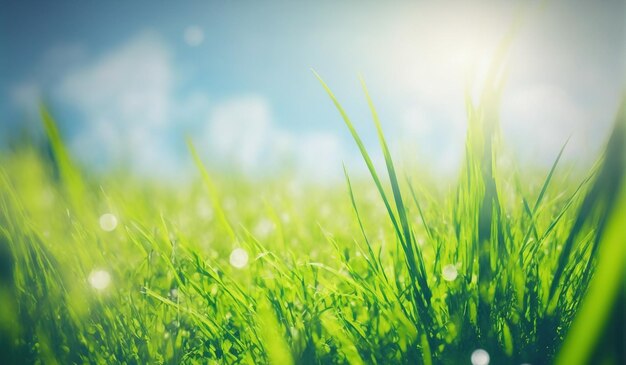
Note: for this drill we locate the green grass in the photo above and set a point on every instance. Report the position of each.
(348, 274)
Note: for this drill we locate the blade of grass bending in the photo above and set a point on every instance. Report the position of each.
(213, 195)
(401, 238)
(417, 270)
(404, 235)
(373, 259)
(549, 177)
(364, 154)
(419, 209)
(69, 174)
(395, 186)
(533, 228)
(555, 221)
(542, 193)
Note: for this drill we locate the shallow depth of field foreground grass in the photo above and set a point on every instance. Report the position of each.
(502, 267)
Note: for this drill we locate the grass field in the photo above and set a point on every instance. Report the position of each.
(501, 266)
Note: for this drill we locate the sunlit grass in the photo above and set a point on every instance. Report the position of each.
(493, 270)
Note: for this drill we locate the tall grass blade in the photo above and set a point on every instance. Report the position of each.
(606, 292)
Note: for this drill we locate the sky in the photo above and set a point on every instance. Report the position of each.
(129, 81)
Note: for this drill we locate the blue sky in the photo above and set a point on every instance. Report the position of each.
(128, 80)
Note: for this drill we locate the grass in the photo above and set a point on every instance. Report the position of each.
(529, 268)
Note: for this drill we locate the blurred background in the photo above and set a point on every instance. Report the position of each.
(127, 81)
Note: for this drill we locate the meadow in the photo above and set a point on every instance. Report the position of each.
(501, 266)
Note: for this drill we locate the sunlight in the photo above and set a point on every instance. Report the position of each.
(438, 60)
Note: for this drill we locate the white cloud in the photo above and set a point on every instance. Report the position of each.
(195, 106)
(242, 133)
(319, 156)
(132, 113)
(56, 61)
(130, 85)
(127, 103)
(240, 129)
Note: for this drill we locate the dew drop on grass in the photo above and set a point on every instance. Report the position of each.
(99, 279)
(239, 258)
(480, 357)
(108, 222)
(449, 272)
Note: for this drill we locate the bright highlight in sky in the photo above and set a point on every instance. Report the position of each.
(99, 279)
(108, 222)
(239, 258)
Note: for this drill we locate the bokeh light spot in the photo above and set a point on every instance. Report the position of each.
(449, 272)
(239, 258)
(108, 222)
(480, 357)
(99, 279)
